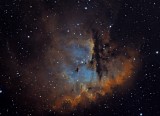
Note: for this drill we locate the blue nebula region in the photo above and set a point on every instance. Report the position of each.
(80, 56)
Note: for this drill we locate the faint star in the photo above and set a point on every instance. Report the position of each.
(0, 91)
(157, 52)
(28, 36)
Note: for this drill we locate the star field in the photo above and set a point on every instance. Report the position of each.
(79, 57)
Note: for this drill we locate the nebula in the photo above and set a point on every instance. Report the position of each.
(76, 72)
(74, 61)
(105, 67)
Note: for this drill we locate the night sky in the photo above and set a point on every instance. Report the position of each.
(80, 57)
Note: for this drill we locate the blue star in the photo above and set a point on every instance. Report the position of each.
(140, 114)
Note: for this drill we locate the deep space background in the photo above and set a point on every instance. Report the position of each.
(24, 41)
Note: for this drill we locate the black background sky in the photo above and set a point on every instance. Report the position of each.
(136, 23)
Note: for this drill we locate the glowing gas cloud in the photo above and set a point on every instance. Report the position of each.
(105, 66)
(73, 59)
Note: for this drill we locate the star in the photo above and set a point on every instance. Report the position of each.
(28, 36)
(85, 8)
(0, 91)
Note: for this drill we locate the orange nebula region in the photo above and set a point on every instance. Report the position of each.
(103, 87)
(120, 78)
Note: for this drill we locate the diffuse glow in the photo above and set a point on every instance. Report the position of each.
(88, 91)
